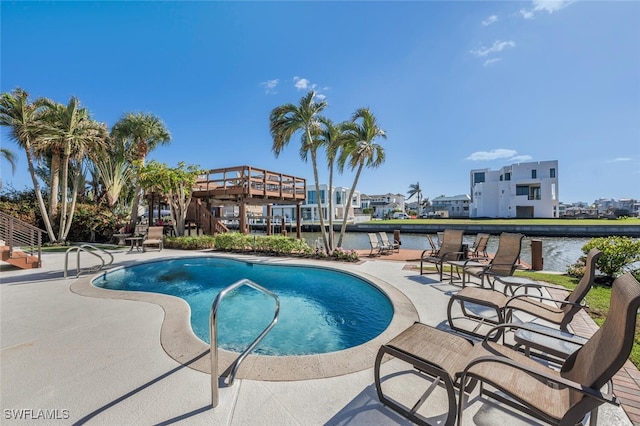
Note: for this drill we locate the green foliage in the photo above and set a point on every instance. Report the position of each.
(618, 253)
(93, 223)
(202, 242)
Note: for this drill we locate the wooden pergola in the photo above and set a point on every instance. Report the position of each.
(246, 185)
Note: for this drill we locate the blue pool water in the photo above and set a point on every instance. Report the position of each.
(321, 310)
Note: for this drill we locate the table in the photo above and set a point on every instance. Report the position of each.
(135, 243)
(553, 344)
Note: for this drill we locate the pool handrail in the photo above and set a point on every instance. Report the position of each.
(213, 333)
(84, 248)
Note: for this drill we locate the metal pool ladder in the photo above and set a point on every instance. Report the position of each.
(213, 332)
(87, 248)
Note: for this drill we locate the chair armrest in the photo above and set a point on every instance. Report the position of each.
(540, 374)
(511, 326)
(541, 298)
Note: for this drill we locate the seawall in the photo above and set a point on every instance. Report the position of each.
(528, 230)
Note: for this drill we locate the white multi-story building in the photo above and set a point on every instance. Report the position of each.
(385, 204)
(309, 210)
(456, 206)
(527, 190)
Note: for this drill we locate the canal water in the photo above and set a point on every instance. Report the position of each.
(557, 253)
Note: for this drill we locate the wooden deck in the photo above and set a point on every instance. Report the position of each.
(251, 185)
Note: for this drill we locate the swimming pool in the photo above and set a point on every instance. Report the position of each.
(321, 310)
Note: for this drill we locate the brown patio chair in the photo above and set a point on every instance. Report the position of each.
(478, 250)
(503, 263)
(561, 397)
(498, 307)
(387, 245)
(376, 248)
(451, 249)
(154, 238)
(558, 397)
(563, 314)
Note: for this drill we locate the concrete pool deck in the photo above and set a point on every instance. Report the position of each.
(100, 361)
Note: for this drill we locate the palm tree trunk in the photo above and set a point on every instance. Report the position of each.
(331, 246)
(54, 183)
(74, 197)
(63, 204)
(343, 228)
(320, 215)
(36, 187)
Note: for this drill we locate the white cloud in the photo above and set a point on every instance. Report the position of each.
(489, 62)
(490, 20)
(302, 83)
(548, 6)
(521, 158)
(615, 160)
(494, 154)
(499, 154)
(498, 46)
(270, 86)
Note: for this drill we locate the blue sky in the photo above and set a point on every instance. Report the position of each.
(456, 85)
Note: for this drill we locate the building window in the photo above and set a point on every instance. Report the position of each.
(322, 192)
(522, 190)
(311, 197)
(535, 193)
(552, 172)
(478, 177)
(501, 178)
(338, 197)
(507, 176)
(534, 174)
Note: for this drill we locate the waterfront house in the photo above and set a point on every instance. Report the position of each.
(523, 190)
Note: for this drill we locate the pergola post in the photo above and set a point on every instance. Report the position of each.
(268, 222)
(299, 221)
(243, 217)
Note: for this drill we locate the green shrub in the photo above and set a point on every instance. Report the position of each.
(618, 254)
(190, 243)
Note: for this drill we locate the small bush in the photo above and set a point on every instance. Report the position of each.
(190, 243)
(618, 254)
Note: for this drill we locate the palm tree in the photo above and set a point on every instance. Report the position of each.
(71, 133)
(24, 120)
(414, 189)
(10, 156)
(287, 120)
(331, 137)
(143, 133)
(360, 150)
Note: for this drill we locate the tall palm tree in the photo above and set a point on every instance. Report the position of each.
(331, 137)
(289, 119)
(76, 136)
(10, 156)
(414, 189)
(143, 133)
(360, 150)
(24, 119)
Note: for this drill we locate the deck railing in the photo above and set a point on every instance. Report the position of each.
(18, 234)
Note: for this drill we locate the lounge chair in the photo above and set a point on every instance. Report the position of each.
(154, 237)
(450, 250)
(388, 246)
(376, 248)
(478, 250)
(494, 307)
(433, 247)
(504, 262)
(558, 397)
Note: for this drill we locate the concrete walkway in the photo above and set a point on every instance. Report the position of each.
(72, 359)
